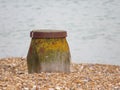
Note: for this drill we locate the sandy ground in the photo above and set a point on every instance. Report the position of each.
(14, 76)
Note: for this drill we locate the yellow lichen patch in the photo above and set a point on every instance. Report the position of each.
(50, 44)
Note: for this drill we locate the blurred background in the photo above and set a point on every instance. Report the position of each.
(93, 27)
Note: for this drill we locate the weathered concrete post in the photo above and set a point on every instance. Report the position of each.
(48, 52)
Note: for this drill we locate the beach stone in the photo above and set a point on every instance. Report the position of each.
(92, 77)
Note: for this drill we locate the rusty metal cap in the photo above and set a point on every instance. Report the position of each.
(48, 34)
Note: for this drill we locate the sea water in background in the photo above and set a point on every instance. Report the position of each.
(93, 27)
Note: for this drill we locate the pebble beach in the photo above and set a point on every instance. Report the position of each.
(14, 76)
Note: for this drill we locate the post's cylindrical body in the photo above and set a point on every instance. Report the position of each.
(48, 52)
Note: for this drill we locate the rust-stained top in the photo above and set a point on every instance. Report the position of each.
(48, 33)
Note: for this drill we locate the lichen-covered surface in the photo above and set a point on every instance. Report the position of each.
(14, 76)
(48, 52)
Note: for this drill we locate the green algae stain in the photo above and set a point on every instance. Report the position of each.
(46, 51)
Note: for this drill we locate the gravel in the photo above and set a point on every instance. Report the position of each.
(14, 76)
